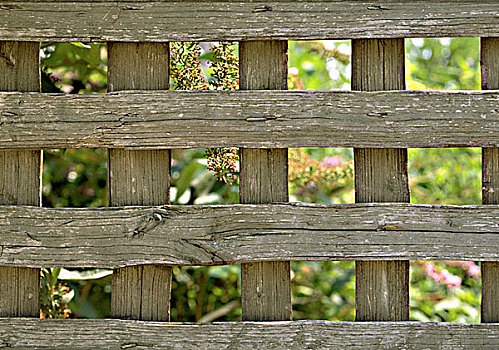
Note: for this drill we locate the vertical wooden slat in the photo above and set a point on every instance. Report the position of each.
(382, 287)
(20, 178)
(490, 181)
(265, 287)
(139, 178)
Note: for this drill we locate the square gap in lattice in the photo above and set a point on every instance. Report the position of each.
(204, 66)
(205, 176)
(442, 63)
(75, 293)
(75, 178)
(73, 67)
(319, 65)
(321, 175)
(445, 291)
(445, 175)
(206, 293)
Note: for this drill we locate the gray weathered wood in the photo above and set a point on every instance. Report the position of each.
(490, 182)
(139, 178)
(250, 119)
(211, 235)
(160, 21)
(123, 334)
(20, 172)
(265, 286)
(382, 287)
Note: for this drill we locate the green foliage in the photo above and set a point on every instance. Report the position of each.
(74, 67)
(199, 293)
(321, 175)
(185, 68)
(323, 290)
(224, 67)
(443, 64)
(314, 65)
(54, 295)
(445, 176)
(443, 301)
(75, 178)
(223, 163)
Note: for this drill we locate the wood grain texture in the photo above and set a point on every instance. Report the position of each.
(19, 292)
(213, 235)
(161, 21)
(265, 286)
(382, 287)
(20, 178)
(489, 64)
(139, 178)
(253, 119)
(123, 334)
(490, 182)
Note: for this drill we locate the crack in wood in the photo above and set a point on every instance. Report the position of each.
(235, 343)
(134, 345)
(7, 60)
(132, 8)
(263, 8)
(378, 114)
(212, 254)
(377, 8)
(9, 7)
(9, 114)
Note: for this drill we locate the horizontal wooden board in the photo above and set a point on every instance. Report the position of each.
(223, 234)
(106, 20)
(174, 119)
(32, 333)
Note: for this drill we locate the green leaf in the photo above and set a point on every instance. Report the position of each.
(207, 56)
(83, 275)
(82, 45)
(186, 176)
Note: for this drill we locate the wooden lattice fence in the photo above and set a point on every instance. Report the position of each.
(140, 127)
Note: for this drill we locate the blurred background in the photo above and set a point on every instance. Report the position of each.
(439, 291)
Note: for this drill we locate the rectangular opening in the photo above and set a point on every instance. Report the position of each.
(204, 176)
(323, 290)
(75, 293)
(206, 293)
(442, 63)
(319, 65)
(74, 68)
(321, 175)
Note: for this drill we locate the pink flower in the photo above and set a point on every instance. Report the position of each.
(442, 275)
(330, 161)
(474, 270)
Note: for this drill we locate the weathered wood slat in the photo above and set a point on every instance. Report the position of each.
(20, 178)
(381, 287)
(124, 334)
(139, 178)
(265, 286)
(489, 63)
(211, 235)
(174, 119)
(106, 20)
